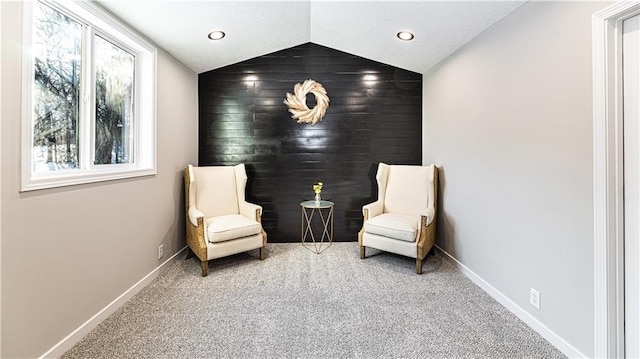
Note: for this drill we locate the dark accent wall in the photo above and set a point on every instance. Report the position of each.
(374, 115)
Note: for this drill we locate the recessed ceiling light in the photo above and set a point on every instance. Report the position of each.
(216, 35)
(405, 36)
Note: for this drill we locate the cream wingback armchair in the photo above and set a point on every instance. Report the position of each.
(402, 220)
(219, 220)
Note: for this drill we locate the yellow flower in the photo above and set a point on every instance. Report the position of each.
(317, 187)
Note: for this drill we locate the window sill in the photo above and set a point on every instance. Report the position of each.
(79, 177)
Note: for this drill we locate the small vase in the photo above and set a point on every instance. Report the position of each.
(317, 199)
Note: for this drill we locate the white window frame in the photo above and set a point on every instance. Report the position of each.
(98, 22)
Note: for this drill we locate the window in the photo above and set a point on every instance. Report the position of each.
(89, 97)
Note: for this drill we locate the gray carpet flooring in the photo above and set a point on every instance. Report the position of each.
(298, 304)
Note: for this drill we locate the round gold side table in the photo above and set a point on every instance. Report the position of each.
(309, 210)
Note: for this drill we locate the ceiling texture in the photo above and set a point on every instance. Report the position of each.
(363, 28)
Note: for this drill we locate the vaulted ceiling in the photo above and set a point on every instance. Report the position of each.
(364, 28)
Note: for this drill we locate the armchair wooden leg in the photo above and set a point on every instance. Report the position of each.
(362, 250)
(263, 251)
(418, 266)
(204, 265)
(189, 253)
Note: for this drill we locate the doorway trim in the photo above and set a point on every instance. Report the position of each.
(0, 181)
(608, 178)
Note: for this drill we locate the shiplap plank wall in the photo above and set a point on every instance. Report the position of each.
(374, 115)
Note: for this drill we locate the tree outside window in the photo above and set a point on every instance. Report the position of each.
(114, 103)
(56, 106)
(90, 97)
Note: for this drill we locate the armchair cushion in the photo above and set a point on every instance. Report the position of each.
(393, 225)
(232, 226)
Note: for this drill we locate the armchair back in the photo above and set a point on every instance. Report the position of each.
(216, 190)
(406, 189)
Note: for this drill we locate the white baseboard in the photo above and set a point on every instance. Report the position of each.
(566, 348)
(70, 340)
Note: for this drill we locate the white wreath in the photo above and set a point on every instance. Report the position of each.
(298, 103)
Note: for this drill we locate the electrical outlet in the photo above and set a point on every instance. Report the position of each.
(160, 251)
(534, 298)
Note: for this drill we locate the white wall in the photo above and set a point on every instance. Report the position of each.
(508, 119)
(68, 252)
